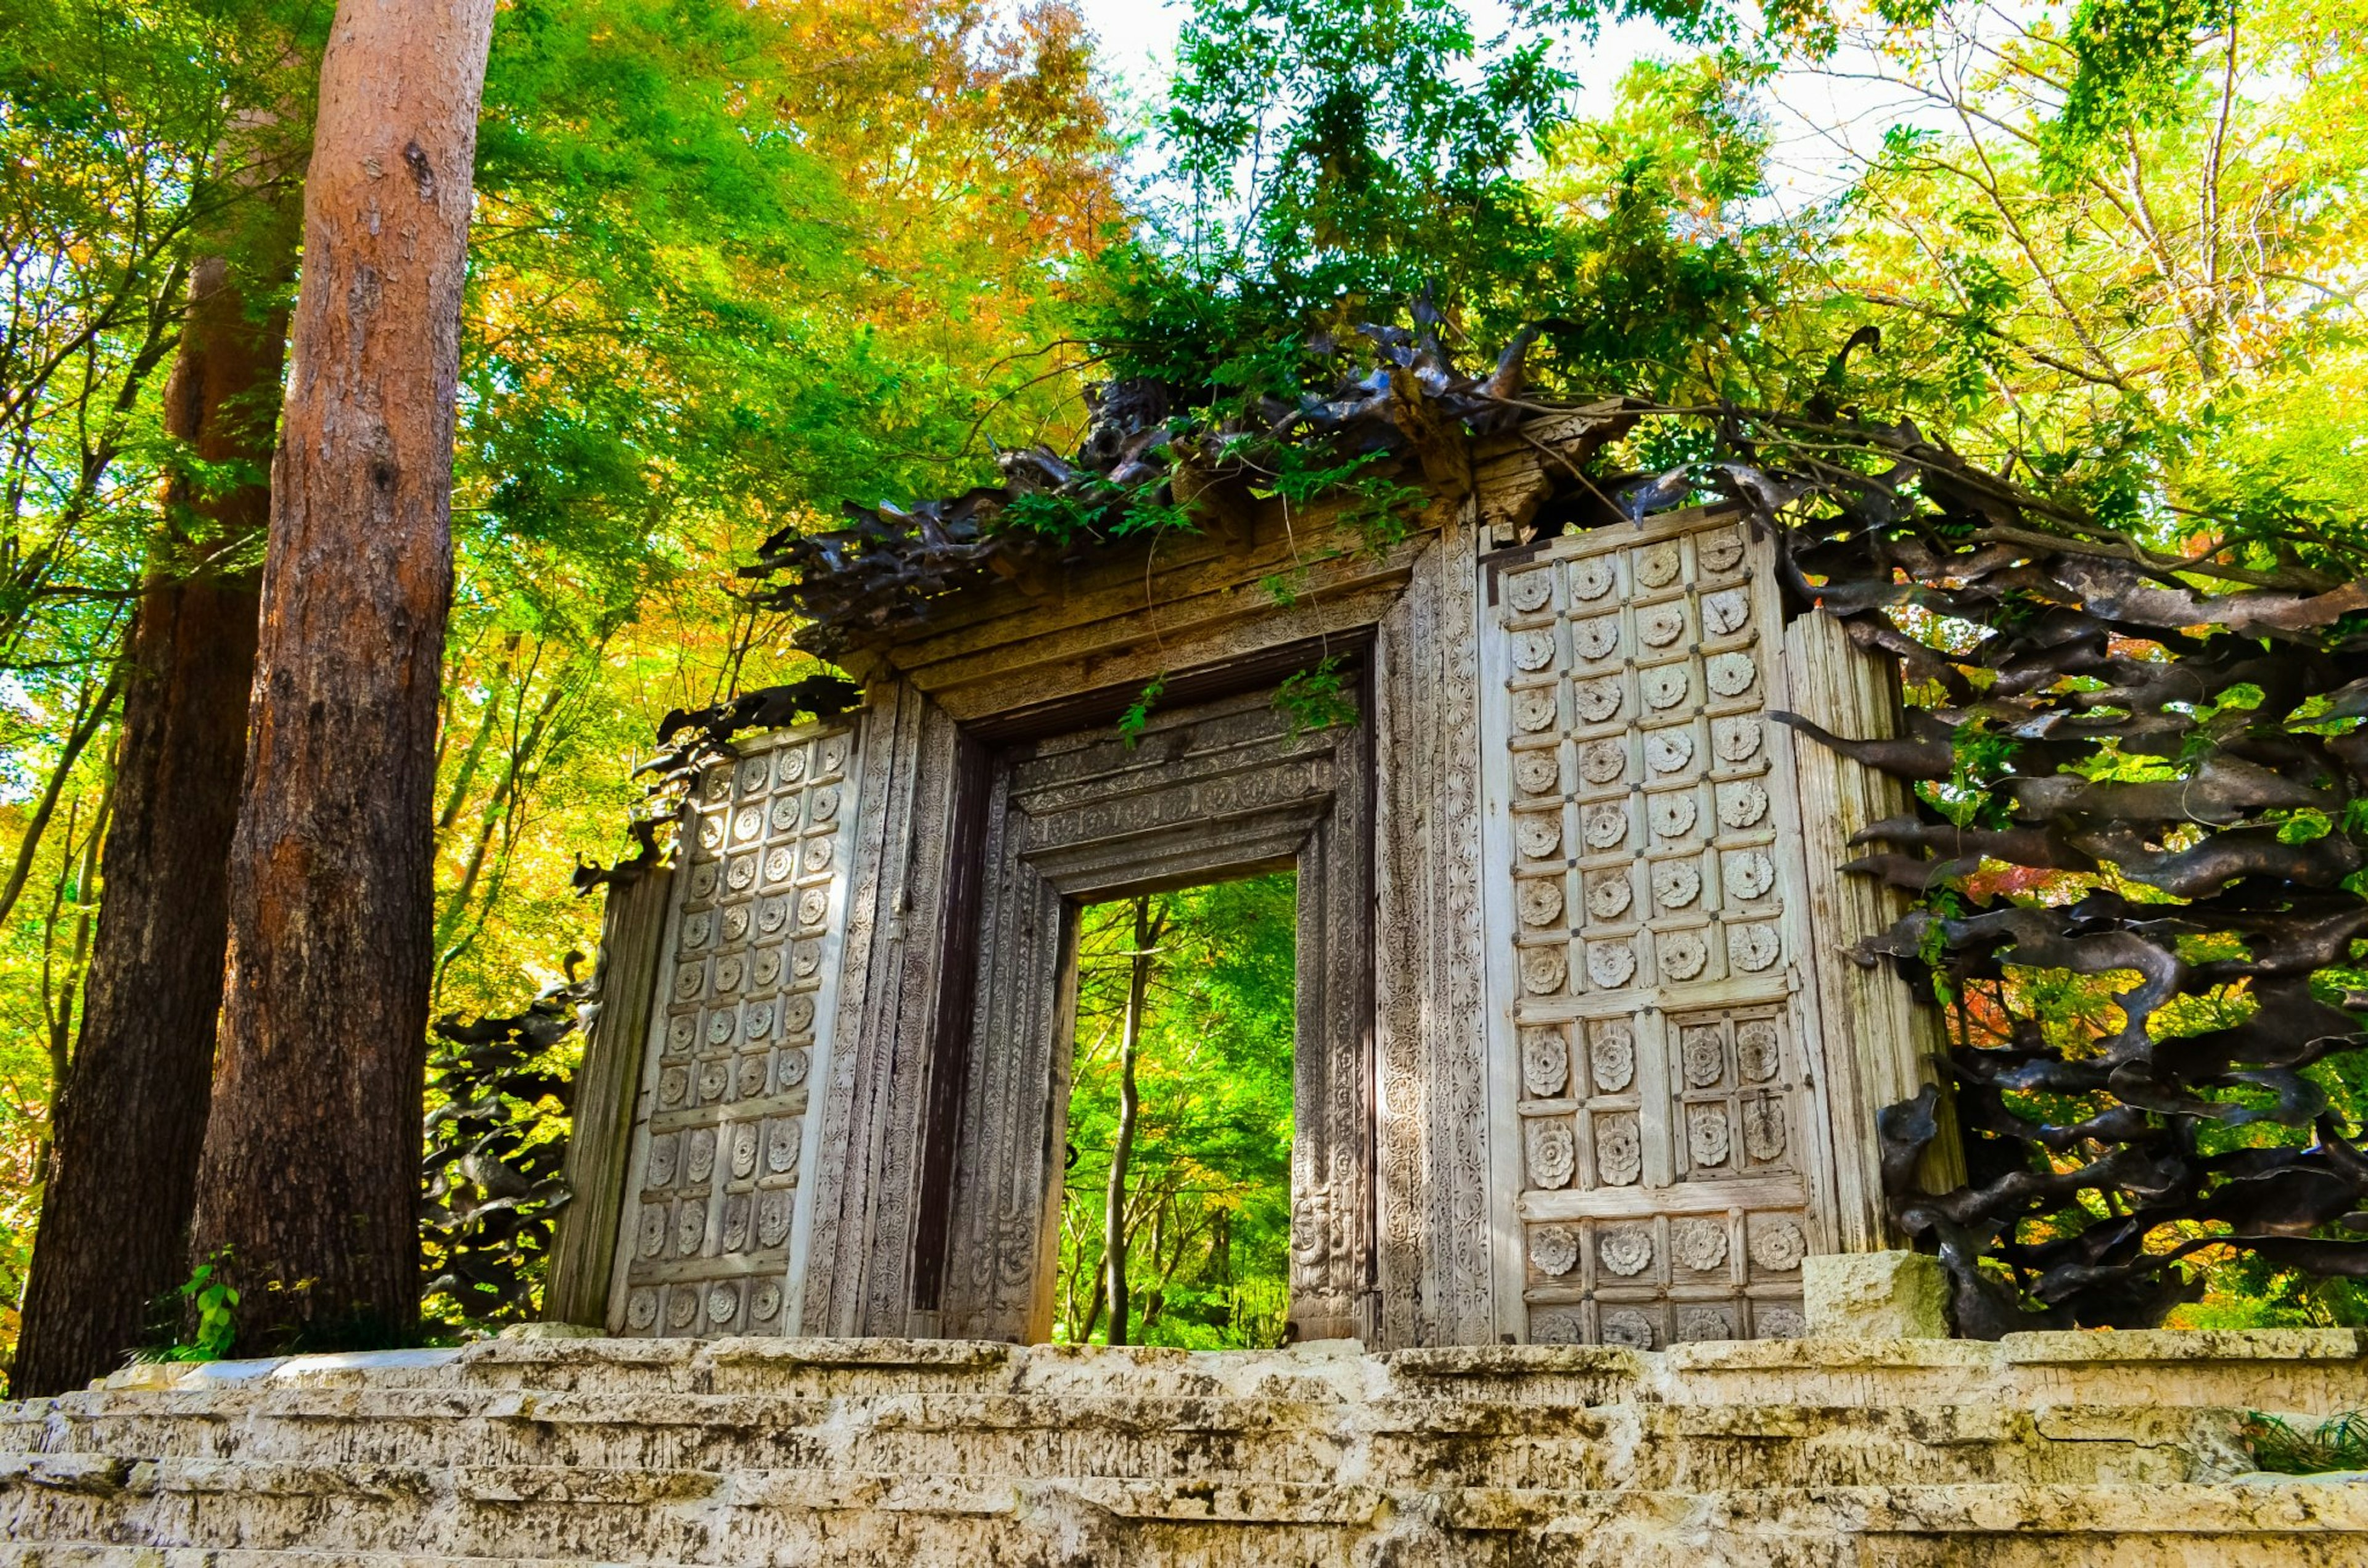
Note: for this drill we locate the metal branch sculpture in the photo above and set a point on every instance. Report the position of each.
(2141, 770)
(491, 1191)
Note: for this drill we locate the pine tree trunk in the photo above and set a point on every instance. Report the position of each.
(310, 1175)
(131, 1114)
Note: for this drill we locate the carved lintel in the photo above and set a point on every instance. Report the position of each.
(1236, 792)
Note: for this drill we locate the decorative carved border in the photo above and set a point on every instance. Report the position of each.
(1219, 788)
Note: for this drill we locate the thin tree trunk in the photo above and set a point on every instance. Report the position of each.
(115, 1216)
(310, 1176)
(89, 714)
(1138, 984)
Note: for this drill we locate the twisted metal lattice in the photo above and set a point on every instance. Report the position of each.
(490, 1178)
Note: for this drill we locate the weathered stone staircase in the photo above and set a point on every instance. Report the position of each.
(2045, 1449)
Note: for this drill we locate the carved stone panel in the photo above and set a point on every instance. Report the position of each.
(1651, 939)
(739, 1029)
(1219, 789)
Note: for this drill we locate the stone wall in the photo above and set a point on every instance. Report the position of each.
(2045, 1449)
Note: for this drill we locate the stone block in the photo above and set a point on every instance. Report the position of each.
(1876, 1295)
(519, 1331)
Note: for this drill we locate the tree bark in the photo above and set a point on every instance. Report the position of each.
(310, 1176)
(1129, 1105)
(131, 1114)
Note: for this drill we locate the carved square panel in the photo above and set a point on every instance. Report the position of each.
(1775, 1244)
(1605, 766)
(1611, 1057)
(1612, 962)
(1550, 1151)
(1674, 816)
(1596, 702)
(1726, 618)
(1731, 679)
(1703, 1248)
(1544, 968)
(1539, 901)
(1663, 872)
(1738, 741)
(1612, 896)
(1619, 1148)
(1529, 593)
(1697, 1321)
(1671, 690)
(1663, 628)
(1638, 1326)
(1687, 954)
(1598, 639)
(1538, 770)
(1545, 1061)
(1719, 554)
(1673, 753)
(1592, 582)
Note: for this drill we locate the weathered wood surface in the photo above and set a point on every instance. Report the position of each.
(1662, 1122)
(1178, 604)
(607, 1091)
(713, 1231)
(1880, 1044)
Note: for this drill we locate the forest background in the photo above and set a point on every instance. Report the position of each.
(735, 266)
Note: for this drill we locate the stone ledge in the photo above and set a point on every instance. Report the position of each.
(2039, 1452)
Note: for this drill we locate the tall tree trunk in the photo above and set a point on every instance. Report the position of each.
(1129, 1104)
(131, 1115)
(310, 1176)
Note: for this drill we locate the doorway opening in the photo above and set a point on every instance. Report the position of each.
(1179, 1148)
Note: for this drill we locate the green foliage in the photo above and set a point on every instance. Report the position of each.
(1132, 723)
(1209, 1192)
(210, 1307)
(1348, 158)
(1341, 153)
(1317, 697)
(2339, 1443)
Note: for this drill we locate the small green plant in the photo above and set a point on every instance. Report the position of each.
(1132, 723)
(215, 1302)
(2340, 1442)
(1316, 698)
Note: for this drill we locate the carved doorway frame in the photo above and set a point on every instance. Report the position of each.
(1210, 791)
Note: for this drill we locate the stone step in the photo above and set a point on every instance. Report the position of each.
(865, 1452)
(862, 1520)
(1439, 1440)
(2298, 1369)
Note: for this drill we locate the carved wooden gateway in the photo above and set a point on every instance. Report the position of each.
(1580, 1058)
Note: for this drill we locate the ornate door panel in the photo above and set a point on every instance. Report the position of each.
(1220, 789)
(716, 1208)
(1661, 1160)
